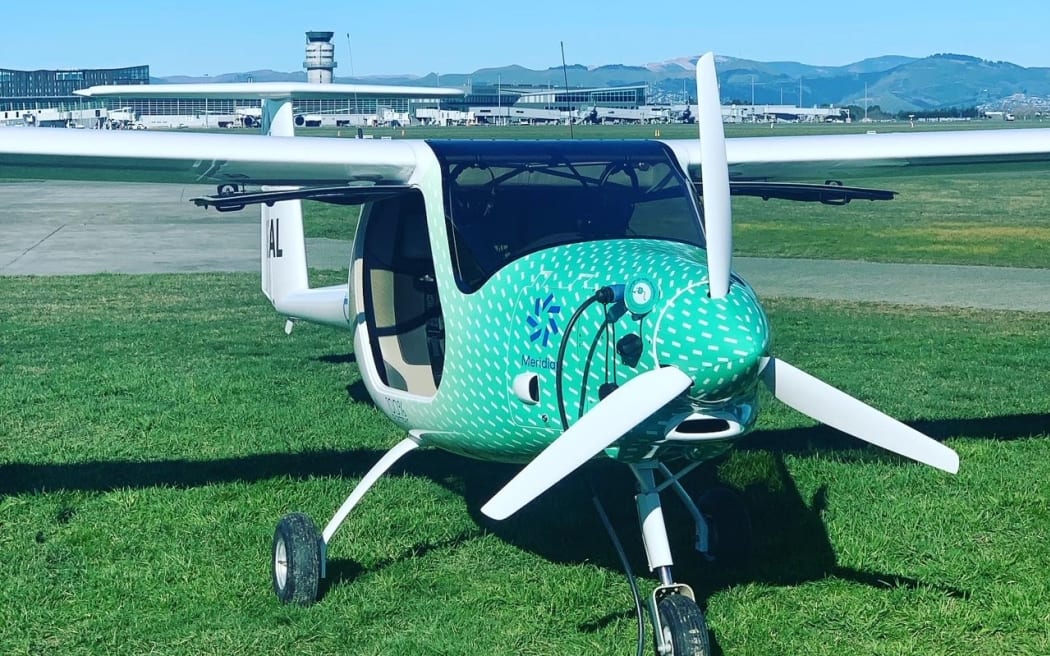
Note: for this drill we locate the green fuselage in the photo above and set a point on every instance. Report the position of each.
(564, 271)
(518, 324)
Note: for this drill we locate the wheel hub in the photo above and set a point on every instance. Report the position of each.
(280, 563)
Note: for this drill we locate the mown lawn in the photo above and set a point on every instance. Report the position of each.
(154, 428)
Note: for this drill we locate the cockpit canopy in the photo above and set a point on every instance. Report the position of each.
(506, 199)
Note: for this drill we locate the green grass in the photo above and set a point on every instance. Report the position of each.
(154, 428)
(330, 221)
(982, 219)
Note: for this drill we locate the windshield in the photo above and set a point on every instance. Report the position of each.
(506, 199)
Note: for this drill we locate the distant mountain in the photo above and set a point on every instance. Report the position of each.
(956, 80)
(248, 76)
(893, 82)
(878, 64)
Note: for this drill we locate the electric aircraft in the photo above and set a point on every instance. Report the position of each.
(544, 303)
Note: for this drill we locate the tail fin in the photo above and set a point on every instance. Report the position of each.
(283, 246)
(283, 242)
(283, 250)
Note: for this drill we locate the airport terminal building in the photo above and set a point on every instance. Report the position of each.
(37, 89)
(498, 103)
(48, 98)
(48, 95)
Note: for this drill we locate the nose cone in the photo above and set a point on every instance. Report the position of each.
(716, 342)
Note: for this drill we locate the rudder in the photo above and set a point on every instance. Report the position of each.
(282, 237)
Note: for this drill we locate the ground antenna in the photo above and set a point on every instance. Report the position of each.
(350, 54)
(565, 74)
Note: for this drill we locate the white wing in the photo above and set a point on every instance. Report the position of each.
(181, 157)
(841, 157)
(36, 153)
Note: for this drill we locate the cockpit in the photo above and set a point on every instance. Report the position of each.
(506, 199)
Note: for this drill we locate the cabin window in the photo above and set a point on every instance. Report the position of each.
(506, 199)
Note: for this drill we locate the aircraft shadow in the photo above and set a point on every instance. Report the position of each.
(799, 441)
(340, 358)
(103, 476)
(791, 543)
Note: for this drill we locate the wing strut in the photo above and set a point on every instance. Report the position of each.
(231, 198)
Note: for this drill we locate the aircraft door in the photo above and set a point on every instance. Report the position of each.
(399, 290)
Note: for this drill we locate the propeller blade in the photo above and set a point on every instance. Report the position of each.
(714, 173)
(625, 408)
(815, 398)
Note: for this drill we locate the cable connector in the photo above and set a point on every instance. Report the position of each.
(609, 294)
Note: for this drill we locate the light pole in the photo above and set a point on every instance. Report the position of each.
(754, 114)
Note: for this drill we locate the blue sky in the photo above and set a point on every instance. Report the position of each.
(453, 36)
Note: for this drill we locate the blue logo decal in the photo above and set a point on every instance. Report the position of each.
(543, 321)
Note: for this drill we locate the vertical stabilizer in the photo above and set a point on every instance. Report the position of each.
(283, 250)
(283, 243)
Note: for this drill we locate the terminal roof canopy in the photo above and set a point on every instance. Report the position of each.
(271, 90)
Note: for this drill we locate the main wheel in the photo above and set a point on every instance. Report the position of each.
(684, 626)
(296, 560)
(729, 525)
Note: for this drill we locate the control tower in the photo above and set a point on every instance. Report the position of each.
(320, 57)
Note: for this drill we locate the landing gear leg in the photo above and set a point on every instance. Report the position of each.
(678, 623)
(300, 553)
(723, 526)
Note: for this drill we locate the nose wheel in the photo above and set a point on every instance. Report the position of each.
(683, 628)
(723, 532)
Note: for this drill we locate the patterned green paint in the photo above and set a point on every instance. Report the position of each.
(490, 340)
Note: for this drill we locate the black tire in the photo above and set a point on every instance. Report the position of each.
(729, 524)
(296, 563)
(684, 626)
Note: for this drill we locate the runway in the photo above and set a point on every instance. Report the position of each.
(73, 228)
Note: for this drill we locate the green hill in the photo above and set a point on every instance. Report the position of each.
(895, 83)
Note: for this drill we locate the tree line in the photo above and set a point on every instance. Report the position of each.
(876, 113)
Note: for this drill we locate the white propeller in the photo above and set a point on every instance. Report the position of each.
(625, 408)
(833, 407)
(646, 394)
(714, 173)
(791, 385)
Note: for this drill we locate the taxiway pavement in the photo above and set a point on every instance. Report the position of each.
(71, 228)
